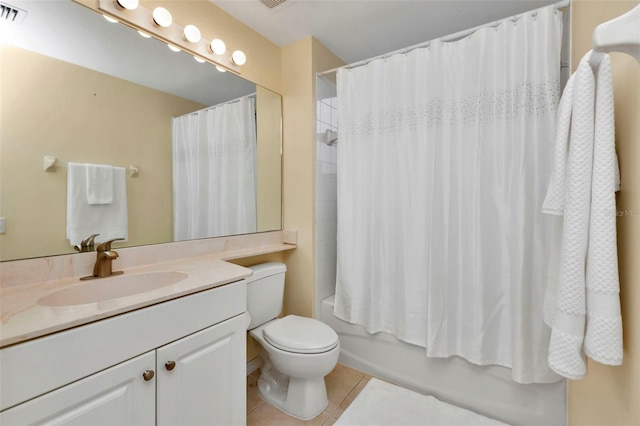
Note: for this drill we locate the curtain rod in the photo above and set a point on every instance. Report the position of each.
(232, 101)
(562, 4)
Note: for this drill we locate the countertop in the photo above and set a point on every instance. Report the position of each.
(23, 318)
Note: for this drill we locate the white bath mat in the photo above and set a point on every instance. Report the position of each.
(383, 404)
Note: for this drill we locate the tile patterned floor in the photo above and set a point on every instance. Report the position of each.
(343, 385)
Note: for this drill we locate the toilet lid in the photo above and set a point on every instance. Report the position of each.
(300, 335)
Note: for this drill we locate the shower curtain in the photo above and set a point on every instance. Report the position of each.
(444, 159)
(214, 180)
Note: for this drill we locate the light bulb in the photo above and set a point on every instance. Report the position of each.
(143, 34)
(191, 33)
(219, 68)
(173, 48)
(127, 4)
(162, 17)
(218, 47)
(238, 57)
(110, 19)
(200, 60)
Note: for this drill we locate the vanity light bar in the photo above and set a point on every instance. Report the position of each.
(162, 17)
(238, 57)
(128, 4)
(191, 34)
(218, 47)
(142, 19)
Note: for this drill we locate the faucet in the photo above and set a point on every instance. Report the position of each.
(86, 244)
(104, 258)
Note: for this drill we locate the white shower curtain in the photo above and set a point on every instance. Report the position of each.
(214, 180)
(443, 162)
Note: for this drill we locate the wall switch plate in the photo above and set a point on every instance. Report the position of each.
(2, 225)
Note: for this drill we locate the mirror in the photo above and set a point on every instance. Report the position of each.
(84, 90)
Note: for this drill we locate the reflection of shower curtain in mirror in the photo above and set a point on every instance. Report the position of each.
(214, 180)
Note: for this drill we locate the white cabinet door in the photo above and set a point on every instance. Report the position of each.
(116, 396)
(202, 377)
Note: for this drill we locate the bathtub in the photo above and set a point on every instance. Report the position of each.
(489, 391)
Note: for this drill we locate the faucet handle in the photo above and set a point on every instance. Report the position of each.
(86, 244)
(106, 246)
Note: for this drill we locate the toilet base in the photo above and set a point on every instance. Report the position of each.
(303, 399)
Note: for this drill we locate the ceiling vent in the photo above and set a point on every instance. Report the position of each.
(272, 3)
(11, 14)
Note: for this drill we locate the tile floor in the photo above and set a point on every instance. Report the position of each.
(343, 385)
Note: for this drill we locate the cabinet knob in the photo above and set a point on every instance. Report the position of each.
(148, 375)
(170, 365)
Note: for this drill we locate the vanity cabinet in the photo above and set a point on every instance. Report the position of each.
(200, 381)
(116, 396)
(180, 362)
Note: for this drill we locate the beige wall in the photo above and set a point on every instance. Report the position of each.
(103, 120)
(297, 101)
(300, 62)
(611, 395)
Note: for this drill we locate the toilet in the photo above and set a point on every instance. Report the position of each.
(297, 351)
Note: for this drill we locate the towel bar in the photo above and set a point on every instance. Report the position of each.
(50, 163)
(621, 34)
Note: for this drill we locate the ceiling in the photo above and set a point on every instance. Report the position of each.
(360, 29)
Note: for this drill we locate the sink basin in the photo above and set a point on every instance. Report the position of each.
(102, 289)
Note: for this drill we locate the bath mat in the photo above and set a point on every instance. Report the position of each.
(383, 404)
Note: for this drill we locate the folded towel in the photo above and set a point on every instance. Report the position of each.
(582, 304)
(84, 219)
(99, 184)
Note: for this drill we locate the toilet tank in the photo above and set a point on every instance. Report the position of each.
(265, 292)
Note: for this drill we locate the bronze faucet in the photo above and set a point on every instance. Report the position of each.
(104, 258)
(86, 244)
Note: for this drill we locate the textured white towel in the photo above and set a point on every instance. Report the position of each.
(584, 179)
(603, 339)
(84, 219)
(555, 199)
(99, 184)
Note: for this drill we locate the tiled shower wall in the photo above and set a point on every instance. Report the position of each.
(326, 190)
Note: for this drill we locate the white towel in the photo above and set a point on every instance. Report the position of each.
(582, 303)
(603, 339)
(99, 184)
(84, 219)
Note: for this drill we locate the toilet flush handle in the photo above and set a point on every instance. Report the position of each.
(170, 365)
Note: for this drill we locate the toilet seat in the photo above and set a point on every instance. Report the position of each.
(300, 335)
